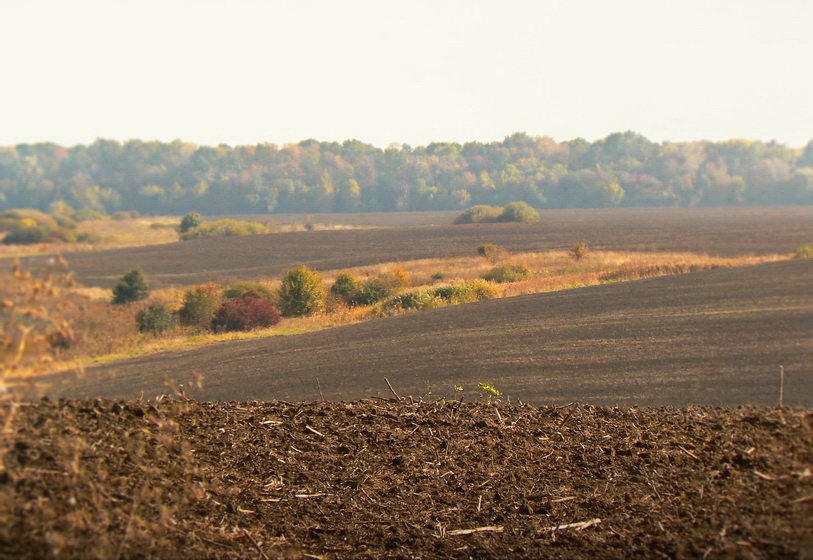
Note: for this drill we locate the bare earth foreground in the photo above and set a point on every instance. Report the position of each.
(185, 479)
(715, 337)
(716, 231)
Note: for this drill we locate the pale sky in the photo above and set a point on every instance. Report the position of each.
(248, 71)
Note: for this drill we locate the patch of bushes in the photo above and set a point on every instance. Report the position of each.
(518, 212)
(200, 304)
(133, 286)
(579, 251)
(245, 313)
(466, 291)
(513, 212)
(190, 221)
(26, 233)
(398, 278)
(223, 228)
(492, 251)
(89, 215)
(345, 286)
(479, 214)
(155, 319)
(126, 215)
(89, 237)
(25, 227)
(10, 219)
(64, 221)
(409, 301)
(508, 272)
(371, 291)
(261, 290)
(301, 293)
(804, 252)
(460, 292)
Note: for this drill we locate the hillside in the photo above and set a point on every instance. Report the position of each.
(724, 232)
(716, 337)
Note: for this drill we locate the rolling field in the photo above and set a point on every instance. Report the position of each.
(716, 231)
(716, 337)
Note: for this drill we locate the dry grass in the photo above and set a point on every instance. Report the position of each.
(136, 232)
(115, 234)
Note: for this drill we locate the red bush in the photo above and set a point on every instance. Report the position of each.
(245, 314)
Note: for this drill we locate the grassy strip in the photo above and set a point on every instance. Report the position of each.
(554, 271)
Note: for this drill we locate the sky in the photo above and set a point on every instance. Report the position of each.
(413, 72)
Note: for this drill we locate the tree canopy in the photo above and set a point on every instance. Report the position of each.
(623, 169)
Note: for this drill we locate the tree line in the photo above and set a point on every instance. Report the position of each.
(623, 169)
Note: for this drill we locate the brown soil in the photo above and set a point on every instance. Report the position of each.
(102, 479)
(716, 231)
(715, 337)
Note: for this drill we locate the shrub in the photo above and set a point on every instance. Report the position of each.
(397, 279)
(26, 233)
(88, 214)
(155, 319)
(223, 228)
(479, 215)
(492, 252)
(89, 237)
(463, 292)
(245, 314)
(259, 289)
(191, 221)
(419, 299)
(804, 252)
(371, 291)
(200, 305)
(509, 272)
(301, 293)
(12, 218)
(346, 285)
(126, 215)
(481, 289)
(579, 251)
(65, 221)
(518, 212)
(133, 286)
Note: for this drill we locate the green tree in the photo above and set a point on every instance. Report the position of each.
(155, 319)
(200, 305)
(346, 285)
(301, 293)
(133, 286)
(190, 221)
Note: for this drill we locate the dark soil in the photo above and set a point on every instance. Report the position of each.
(716, 337)
(716, 231)
(376, 479)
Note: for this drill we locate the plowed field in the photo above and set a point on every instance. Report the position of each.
(716, 337)
(101, 479)
(723, 232)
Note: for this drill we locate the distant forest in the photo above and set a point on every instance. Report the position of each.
(623, 169)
